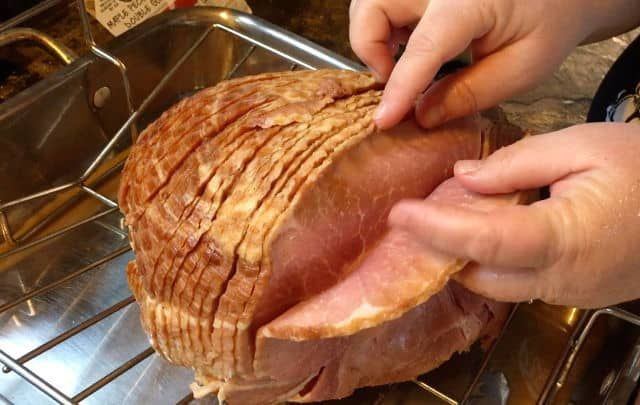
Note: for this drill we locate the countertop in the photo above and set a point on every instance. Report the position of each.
(560, 101)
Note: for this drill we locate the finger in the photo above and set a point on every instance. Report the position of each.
(369, 34)
(502, 284)
(484, 84)
(532, 162)
(444, 31)
(513, 236)
(373, 28)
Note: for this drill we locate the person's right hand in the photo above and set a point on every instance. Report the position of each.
(579, 247)
(514, 44)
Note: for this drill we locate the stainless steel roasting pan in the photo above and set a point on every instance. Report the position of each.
(69, 329)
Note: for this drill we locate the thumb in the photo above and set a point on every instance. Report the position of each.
(533, 162)
(488, 81)
(505, 236)
(503, 284)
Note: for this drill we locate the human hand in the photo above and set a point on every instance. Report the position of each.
(514, 44)
(580, 247)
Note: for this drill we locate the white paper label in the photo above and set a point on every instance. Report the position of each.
(118, 16)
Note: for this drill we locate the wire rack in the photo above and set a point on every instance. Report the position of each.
(87, 184)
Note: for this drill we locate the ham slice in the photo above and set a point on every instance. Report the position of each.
(257, 212)
(396, 275)
(399, 350)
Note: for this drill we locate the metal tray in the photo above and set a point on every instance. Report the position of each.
(69, 329)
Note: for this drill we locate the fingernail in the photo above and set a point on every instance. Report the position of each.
(432, 116)
(380, 112)
(467, 167)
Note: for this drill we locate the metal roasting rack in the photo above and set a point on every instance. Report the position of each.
(87, 185)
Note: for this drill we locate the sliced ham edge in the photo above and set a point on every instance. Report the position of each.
(396, 275)
(371, 296)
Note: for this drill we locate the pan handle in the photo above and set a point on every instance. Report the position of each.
(57, 49)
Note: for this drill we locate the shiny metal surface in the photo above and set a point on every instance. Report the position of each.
(68, 325)
(630, 370)
(66, 314)
(12, 35)
(122, 69)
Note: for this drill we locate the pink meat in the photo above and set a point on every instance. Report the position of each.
(258, 212)
(398, 350)
(395, 276)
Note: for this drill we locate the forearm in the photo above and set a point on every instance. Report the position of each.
(612, 17)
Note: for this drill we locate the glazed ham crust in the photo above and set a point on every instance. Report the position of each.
(257, 211)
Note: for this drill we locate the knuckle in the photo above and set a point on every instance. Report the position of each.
(485, 246)
(356, 42)
(550, 251)
(565, 246)
(421, 45)
(360, 46)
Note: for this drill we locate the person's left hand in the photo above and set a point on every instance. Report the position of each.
(580, 247)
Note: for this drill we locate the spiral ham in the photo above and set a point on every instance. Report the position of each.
(257, 211)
